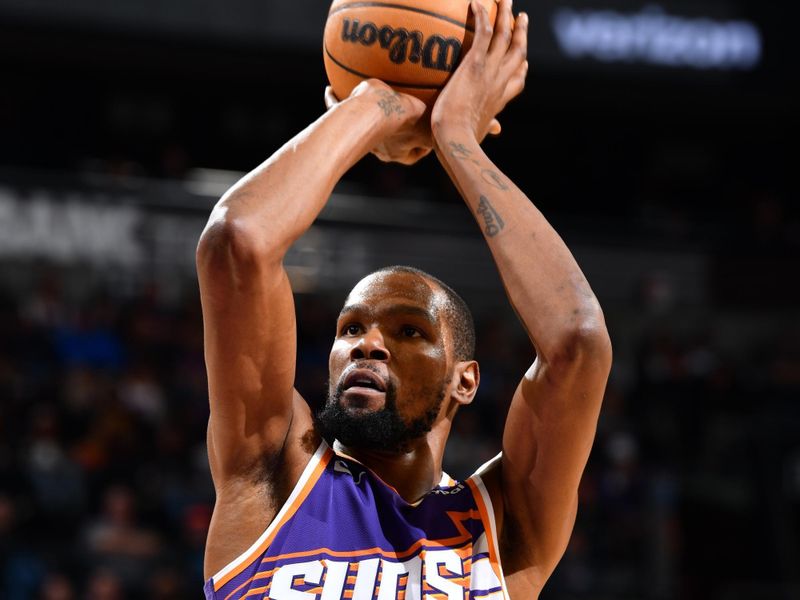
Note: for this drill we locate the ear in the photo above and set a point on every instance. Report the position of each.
(466, 378)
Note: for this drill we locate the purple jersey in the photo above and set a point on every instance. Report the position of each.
(345, 534)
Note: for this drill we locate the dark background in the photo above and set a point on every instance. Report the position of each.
(120, 125)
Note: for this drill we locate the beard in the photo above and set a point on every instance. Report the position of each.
(383, 429)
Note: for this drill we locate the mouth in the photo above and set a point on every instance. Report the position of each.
(363, 381)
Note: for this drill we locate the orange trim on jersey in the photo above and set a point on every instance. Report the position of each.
(446, 543)
(456, 516)
(255, 592)
(494, 559)
(312, 480)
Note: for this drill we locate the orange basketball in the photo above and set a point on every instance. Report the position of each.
(413, 45)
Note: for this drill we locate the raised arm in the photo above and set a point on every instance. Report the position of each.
(553, 415)
(248, 310)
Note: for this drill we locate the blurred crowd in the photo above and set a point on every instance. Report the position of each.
(105, 492)
(104, 485)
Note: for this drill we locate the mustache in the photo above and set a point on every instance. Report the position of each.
(335, 393)
(366, 364)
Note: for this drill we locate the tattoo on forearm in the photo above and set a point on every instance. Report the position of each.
(461, 152)
(390, 103)
(494, 179)
(491, 218)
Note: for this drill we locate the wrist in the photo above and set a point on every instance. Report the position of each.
(448, 131)
(447, 137)
(360, 125)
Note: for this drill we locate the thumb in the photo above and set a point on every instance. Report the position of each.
(417, 107)
(330, 98)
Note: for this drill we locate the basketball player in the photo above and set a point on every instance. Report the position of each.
(374, 516)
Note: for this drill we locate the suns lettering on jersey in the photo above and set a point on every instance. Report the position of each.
(283, 580)
(438, 571)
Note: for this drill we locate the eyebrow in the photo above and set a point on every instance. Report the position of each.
(406, 309)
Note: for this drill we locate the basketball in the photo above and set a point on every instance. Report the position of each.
(412, 45)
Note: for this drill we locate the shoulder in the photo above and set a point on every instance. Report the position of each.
(248, 503)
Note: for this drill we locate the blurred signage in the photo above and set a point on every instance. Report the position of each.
(101, 228)
(655, 37)
(73, 228)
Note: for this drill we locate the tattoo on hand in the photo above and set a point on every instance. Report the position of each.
(493, 179)
(461, 152)
(390, 103)
(492, 219)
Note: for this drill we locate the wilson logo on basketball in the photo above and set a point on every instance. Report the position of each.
(435, 52)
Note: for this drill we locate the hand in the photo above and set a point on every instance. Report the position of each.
(490, 75)
(408, 138)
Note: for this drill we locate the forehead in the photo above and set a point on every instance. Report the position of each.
(399, 287)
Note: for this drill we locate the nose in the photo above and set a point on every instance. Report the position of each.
(370, 346)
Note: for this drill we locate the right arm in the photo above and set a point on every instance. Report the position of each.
(248, 310)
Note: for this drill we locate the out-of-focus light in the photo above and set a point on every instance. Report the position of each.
(212, 183)
(652, 36)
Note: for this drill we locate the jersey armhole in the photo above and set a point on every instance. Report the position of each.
(486, 510)
(316, 465)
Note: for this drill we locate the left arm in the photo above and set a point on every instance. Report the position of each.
(553, 415)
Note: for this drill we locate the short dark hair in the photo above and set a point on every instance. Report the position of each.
(457, 313)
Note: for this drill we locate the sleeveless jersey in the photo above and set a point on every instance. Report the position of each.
(345, 534)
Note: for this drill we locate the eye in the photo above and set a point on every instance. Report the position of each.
(351, 329)
(411, 332)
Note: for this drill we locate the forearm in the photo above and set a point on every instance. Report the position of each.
(278, 201)
(542, 279)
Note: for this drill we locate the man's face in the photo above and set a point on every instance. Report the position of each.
(389, 367)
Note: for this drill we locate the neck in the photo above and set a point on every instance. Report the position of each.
(413, 473)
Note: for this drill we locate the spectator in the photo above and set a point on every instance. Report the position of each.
(117, 542)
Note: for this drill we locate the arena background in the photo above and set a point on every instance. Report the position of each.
(653, 136)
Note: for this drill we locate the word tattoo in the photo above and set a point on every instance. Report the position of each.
(390, 103)
(493, 179)
(494, 222)
(461, 152)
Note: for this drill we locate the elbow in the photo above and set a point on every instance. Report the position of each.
(229, 241)
(585, 343)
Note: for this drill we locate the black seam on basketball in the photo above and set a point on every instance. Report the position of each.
(386, 81)
(421, 11)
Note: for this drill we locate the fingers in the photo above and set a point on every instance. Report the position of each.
(330, 98)
(420, 153)
(409, 158)
(483, 29)
(502, 30)
(495, 128)
(517, 51)
(381, 152)
(516, 83)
